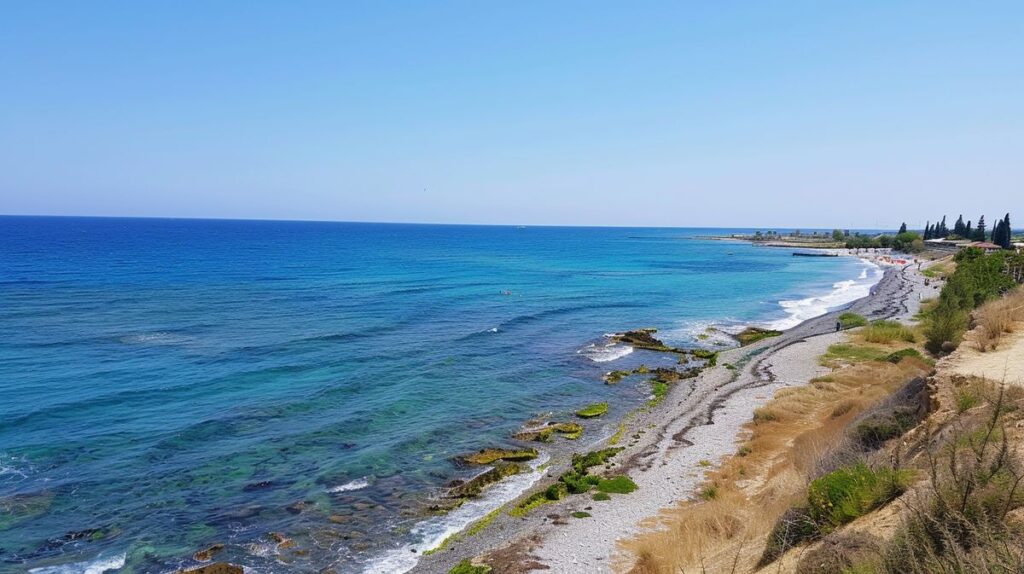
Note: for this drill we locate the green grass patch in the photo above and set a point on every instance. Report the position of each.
(601, 496)
(850, 492)
(621, 484)
(850, 353)
(966, 399)
(591, 411)
(553, 493)
(580, 514)
(851, 320)
(897, 356)
(888, 331)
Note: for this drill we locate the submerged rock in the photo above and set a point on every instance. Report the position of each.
(492, 455)
(755, 334)
(645, 339)
(591, 411)
(206, 554)
(216, 568)
(476, 485)
(570, 431)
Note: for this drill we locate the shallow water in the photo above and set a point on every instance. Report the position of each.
(168, 384)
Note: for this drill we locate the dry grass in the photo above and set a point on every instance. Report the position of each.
(787, 441)
(998, 317)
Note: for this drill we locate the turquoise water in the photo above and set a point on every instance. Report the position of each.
(169, 384)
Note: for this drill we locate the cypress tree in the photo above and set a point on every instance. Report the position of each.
(968, 232)
(958, 227)
(943, 230)
(979, 232)
(928, 230)
(1007, 238)
(903, 228)
(997, 232)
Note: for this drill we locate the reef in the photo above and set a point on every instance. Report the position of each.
(754, 334)
(474, 486)
(492, 455)
(591, 411)
(546, 433)
(215, 568)
(645, 339)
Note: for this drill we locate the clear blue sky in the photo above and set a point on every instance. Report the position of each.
(546, 112)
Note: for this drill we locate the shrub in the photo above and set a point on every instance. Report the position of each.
(962, 522)
(979, 277)
(851, 320)
(794, 527)
(709, 492)
(601, 496)
(765, 415)
(850, 492)
(876, 429)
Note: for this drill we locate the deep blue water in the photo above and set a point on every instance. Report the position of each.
(168, 384)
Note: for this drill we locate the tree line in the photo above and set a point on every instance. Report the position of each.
(1002, 231)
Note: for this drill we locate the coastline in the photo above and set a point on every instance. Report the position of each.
(672, 446)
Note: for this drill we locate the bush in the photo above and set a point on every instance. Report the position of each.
(979, 277)
(962, 522)
(794, 527)
(845, 494)
(851, 320)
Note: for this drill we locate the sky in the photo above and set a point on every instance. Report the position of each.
(737, 114)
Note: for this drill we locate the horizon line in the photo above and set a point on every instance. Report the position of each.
(378, 222)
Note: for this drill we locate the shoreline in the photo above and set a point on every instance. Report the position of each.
(670, 447)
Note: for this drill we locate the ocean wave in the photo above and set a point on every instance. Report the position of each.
(356, 484)
(843, 293)
(434, 531)
(605, 352)
(98, 565)
(157, 338)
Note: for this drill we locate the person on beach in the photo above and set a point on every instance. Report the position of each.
(839, 326)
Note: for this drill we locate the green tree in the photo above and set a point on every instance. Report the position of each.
(837, 234)
(903, 228)
(979, 231)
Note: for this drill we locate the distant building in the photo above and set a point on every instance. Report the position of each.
(985, 246)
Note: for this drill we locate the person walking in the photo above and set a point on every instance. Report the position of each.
(839, 326)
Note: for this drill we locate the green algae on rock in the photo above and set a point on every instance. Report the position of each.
(591, 411)
(570, 431)
(752, 335)
(215, 568)
(492, 455)
(474, 486)
(467, 567)
(645, 339)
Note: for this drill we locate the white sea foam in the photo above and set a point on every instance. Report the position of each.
(157, 338)
(492, 330)
(605, 352)
(356, 484)
(432, 532)
(98, 565)
(843, 293)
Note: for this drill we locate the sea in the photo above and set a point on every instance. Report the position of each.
(300, 392)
